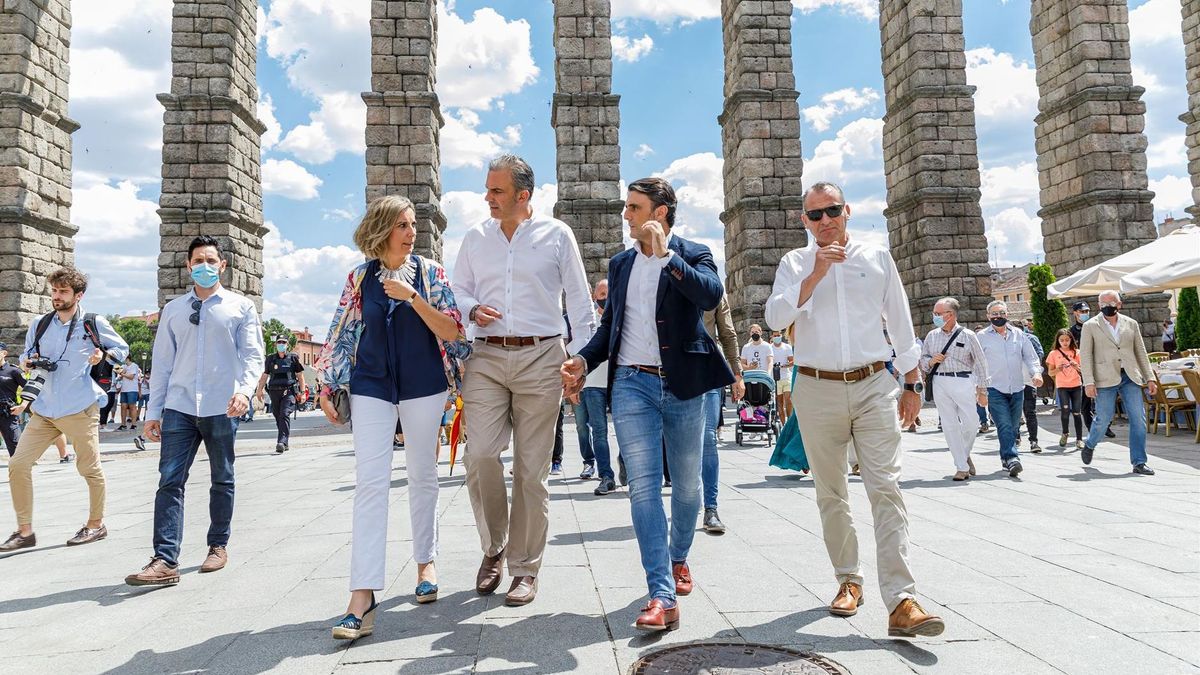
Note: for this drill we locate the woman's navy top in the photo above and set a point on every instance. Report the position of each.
(398, 357)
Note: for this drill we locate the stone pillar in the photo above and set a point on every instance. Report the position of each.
(212, 181)
(586, 118)
(935, 225)
(1090, 146)
(35, 158)
(760, 137)
(404, 118)
(1191, 45)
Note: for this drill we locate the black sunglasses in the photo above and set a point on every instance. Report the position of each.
(832, 211)
(195, 317)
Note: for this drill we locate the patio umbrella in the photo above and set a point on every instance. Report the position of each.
(1164, 276)
(1181, 245)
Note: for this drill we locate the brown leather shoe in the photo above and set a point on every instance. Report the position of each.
(962, 475)
(157, 573)
(910, 620)
(657, 618)
(86, 536)
(683, 578)
(522, 591)
(488, 578)
(17, 542)
(215, 560)
(849, 597)
(970, 466)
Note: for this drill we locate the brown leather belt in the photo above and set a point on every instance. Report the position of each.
(517, 341)
(658, 371)
(856, 375)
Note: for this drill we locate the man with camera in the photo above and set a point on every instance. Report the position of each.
(283, 372)
(61, 348)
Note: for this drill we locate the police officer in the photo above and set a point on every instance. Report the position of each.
(11, 379)
(284, 377)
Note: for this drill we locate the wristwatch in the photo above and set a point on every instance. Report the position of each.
(915, 386)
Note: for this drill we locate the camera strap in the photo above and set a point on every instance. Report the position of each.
(89, 329)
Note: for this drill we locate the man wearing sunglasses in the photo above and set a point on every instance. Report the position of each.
(208, 353)
(838, 294)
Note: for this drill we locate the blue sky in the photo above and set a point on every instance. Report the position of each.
(495, 79)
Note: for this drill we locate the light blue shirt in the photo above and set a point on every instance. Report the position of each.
(70, 388)
(1008, 357)
(198, 368)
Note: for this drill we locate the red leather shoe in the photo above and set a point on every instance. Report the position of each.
(657, 618)
(683, 578)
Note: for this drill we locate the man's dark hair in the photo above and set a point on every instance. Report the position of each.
(67, 275)
(203, 241)
(660, 193)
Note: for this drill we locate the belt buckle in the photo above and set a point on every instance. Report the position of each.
(846, 376)
(507, 341)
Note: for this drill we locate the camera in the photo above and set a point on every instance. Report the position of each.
(34, 384)
(42, 363)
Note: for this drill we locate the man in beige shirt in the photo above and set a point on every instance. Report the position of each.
(1113, 359)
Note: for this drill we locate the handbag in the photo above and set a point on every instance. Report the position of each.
(929, 382)
(340, 397)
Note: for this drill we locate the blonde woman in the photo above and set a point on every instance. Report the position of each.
(395, 342)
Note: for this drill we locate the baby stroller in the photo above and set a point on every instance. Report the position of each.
(756, 412)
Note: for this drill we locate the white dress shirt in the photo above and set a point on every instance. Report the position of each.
(198, 368)
(639, 339)
(524, 279)
(841, 326)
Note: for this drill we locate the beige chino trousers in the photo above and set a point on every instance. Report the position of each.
(831, 416)
(512, 393)
(83, 431)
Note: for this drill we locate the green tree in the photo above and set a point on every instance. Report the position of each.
(273, 327)
(1049, 316)
(139, 335)
(1187, 321)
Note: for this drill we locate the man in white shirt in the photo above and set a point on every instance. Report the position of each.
(208, 353)
(130, 380)
(511, 274)
(953, 360)
(1009, 355)
(757, 354)
(784, 360)
(837, 293)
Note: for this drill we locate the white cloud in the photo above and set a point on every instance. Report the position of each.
(323, 45)
(339, 125)
(1172, 194)
(117, 244)
(105, 212)
(666, 11)
(1169, 152)
(838, 103)
(104, 73)
(288, 179)
(302, 285)
(1005, 87)
(630, 50)
(1016, 235)
(1006, 186)
(462, 144)
(700, 190)
(867, 9)
(643, 151)
(1154, 22)
(855, 152)
(482, 60)
(266, 114)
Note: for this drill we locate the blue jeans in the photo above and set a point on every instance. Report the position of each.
(181, 437)
(711, 464)
(1006, 410)
(645, 412)
(983, 413)
(591, 421)
(1106, 407)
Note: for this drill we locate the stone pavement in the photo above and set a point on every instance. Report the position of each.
(1069, 569)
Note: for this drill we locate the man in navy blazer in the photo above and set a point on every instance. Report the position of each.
(663, 361)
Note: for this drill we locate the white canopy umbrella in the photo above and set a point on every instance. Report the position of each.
(1180, 246)
(1164, 276)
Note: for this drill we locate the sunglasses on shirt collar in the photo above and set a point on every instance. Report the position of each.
(195, 317)
(832, 211)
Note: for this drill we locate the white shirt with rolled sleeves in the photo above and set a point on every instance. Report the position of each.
(639, 345)
(840, 328)
(524, 279)
(198, 368)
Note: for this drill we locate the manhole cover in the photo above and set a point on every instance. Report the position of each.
(729, 658)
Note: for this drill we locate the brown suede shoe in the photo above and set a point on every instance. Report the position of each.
(522, 592)
(157, 573)
(17, 542)
(970, 466)
(488, 578)
(683, 578)
(215, 560)
(86, 536)
(962, 475)
(910, 620)
(849, 597)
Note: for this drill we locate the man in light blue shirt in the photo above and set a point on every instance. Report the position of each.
(1009, 353)
(69, 401)
(208, 353)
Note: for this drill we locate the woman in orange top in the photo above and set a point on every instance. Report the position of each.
(1063, 362)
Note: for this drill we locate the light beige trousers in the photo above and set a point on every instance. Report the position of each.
(83, 431)
(512, 393)
(832, 415)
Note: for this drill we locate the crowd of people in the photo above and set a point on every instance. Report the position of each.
(518, 331)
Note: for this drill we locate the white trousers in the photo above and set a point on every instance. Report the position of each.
(955, 400)
(374, 425)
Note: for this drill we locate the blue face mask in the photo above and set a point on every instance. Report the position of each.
(205, 275)
(281, 348)
(938, 321)
(1084, 317)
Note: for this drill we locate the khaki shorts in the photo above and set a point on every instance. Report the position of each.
(783, 386)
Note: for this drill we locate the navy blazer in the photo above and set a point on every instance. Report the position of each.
(687, 287)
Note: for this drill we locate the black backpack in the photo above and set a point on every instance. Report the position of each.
(101, 372)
